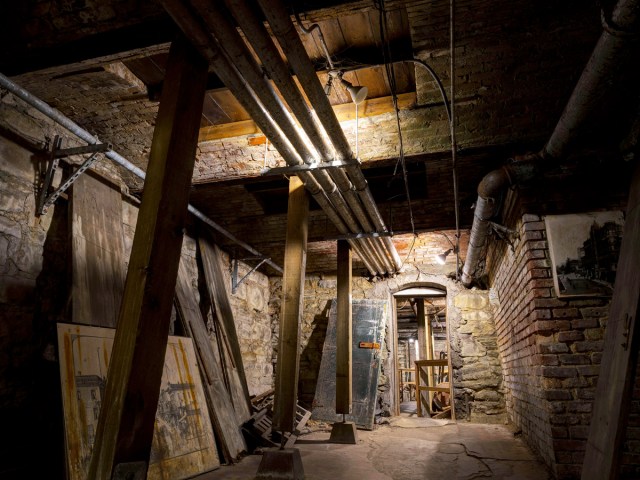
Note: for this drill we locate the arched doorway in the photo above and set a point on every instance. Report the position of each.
(422, 353)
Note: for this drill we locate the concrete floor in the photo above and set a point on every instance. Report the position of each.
(409, 448)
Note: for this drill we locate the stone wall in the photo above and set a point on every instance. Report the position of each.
(477, 375)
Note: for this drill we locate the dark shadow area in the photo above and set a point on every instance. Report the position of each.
(311, 357)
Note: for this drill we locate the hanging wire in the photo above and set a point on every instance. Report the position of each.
(452, 127)
(390, 71)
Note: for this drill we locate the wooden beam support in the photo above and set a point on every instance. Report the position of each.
(619, 356)
(295, 260)
(422, 329)
(344, 112)
(125, 427)
(344, 331)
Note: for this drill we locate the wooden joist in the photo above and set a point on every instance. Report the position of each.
(126, 423)
(344, 112)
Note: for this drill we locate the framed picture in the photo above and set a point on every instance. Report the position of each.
(183, 440)
(584, 251)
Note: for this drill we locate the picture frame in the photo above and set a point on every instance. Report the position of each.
(183, 439)
(584, 250)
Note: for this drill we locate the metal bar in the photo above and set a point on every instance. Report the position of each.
(54, 196)
(81, 133)
(308, 167)
(94, 148)
(235, 284)
(51, 170)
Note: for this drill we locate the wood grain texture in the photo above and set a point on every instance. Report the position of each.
(125, 428)
(97, 255)
(295, 259)
(220, 406)
(619, 356)
(344, 331)
(228, 336)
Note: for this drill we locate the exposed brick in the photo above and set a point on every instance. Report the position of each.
(559, 372)
(588, 346)
(574, 359)
(570, 336)
(585, 323)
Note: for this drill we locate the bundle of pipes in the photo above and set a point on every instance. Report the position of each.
(343, 195)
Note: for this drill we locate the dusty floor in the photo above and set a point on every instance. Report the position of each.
(409, 448)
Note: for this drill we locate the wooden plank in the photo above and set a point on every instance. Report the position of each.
(422, 331)
(344, 112)
(125, 428)
(85, 354)
(295, 260)
(620, 354)
(220, 406)
(344, 331)
(230, 347)
(369, 318)
(97, 256)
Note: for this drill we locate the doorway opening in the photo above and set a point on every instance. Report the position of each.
(423, 385)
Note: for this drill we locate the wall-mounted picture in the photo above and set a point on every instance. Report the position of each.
(584, 251)
(183, 440)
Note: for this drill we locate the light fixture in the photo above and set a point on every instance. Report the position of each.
(442, 258)
(358, 92)
(411, 340)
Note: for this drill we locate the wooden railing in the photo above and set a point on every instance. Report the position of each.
(430, 364)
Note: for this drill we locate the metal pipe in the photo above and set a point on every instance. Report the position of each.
(594, 83)
(84, 135)
(242, 60)
(264, 47)
(284, 29)
(242, 89)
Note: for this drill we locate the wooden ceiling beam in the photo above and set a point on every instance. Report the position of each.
(344, 112)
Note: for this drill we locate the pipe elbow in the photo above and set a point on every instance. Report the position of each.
(493, 182)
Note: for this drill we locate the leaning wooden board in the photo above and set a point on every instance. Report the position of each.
(97, 256)
(221, 408)
(369, 318)
(216, 286)
(183, 442)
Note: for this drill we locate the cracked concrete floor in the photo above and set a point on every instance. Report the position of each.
(409, 448)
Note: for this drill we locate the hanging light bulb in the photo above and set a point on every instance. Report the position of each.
(358, 93)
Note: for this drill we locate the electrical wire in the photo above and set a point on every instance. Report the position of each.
(390, 71)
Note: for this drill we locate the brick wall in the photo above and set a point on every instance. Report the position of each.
(550, 350)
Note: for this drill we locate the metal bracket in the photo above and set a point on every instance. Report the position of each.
(235, 283)
(309, 167)
(46, 201)
(67, 152)
(505, 233)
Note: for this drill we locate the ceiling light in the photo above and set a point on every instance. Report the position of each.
(442, 258)
(358, 93)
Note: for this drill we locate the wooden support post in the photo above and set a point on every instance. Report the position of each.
(423, 350)
(125, 427)
(620, 354)
(295, 260)
(344, 330)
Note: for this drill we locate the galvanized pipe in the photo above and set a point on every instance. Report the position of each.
(245, 94)
(262, 44)
(284, 29)
(242, 60)
(84, 135)
(596, 79)
(594, 83)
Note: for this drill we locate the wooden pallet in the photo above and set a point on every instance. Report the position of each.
(259, 428)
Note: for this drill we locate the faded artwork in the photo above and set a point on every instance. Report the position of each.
(183, 441)
(584, 250)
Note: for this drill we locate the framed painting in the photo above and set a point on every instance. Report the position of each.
(584, 250)
(183, 440)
